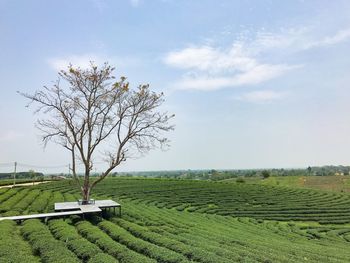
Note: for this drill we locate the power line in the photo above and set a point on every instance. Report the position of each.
(33, 166)
(6, 164)
(42, 167)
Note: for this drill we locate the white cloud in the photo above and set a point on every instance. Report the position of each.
(340, 36)
(255, 75)
(82, 61)
(297, 39)
(263, 72)
(212, 68)
(246, 61)
(211, 59)
(261, 96)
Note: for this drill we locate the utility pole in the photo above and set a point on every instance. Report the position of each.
(14, 175)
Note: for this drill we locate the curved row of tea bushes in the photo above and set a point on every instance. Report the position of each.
(4, 190)
(56, 197)
(121, 235)
(108, 245)
(102, 258)
(68, 197)
(253, 239)
(194, 253)
(199, 237)
(15, 207)
(26, 201)
(84, 249)
(227, 199)
(204, 247)
(40, 203)
(170, 229)
(13, 200)
(45, 245)
(12, 247)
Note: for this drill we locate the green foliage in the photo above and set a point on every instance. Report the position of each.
(240, 180)
(182, 221)
(45, 245)
(23, 176)
(40, 203)
(68, 234)
(12, 247)
(266, 202)
(153, 251)
(217, 175)
(265, 174)
(102, 258)
(7, 193)
(108, 245)
(82, 248)
(11, 202)
(26, 201)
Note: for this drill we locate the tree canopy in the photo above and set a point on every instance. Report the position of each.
(93, 115)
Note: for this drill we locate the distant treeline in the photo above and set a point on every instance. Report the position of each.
(21, 175)
(227, 174)
(211, 174)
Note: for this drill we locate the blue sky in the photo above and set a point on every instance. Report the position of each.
(253, 84)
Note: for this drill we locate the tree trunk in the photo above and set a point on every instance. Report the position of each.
(86, 186)
(86, 194)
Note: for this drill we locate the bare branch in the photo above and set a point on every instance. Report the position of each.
(86, 110)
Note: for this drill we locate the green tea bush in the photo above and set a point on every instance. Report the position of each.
(245, 234)
(121, 235)
(83, 248)
(45, 245)
(40, 203)
(13, 200)
(68, 234)
(191, 252)
(102, 258)
(56, 197)
(26, 201)
(7, 194)
(108, 245)
(3, 190)
(12, 247)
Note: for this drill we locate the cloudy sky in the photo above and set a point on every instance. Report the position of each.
(253, 84)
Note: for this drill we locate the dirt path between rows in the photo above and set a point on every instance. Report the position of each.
(24, 184)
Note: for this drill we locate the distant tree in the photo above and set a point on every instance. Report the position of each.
(93, 115)
(265, 174)
(41, 177)
(309, 169)
(32, 175)
(240, 180)
(213, 172)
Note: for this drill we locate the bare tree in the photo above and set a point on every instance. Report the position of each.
(94, 115)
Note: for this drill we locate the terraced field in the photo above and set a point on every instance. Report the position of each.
(238, 200)
(180, 221)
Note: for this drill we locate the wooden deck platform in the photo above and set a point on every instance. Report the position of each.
(70, 208)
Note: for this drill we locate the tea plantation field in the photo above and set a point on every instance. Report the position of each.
(180, 221)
